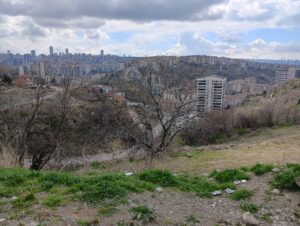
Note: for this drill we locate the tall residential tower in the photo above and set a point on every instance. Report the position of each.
(210, 94)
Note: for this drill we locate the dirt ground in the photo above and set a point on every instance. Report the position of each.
(174, 208)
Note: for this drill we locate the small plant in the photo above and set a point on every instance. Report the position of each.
(286, 179)
(266, 218)
(87, 223)
(241, 195)
(25, 201)
(243, 131)
(143, 213)
(192, 219)
(260, 169)
(249, 207)
(52, 201)
(107, 210)
(229, 175)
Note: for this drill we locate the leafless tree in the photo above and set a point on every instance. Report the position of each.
(160, 109)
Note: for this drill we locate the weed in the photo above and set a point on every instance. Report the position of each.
(229, 175)
(243, 131)
(266, 218)
(87, 223)
(286, 179)
(260, 169)
(192, 219)
(241, 194)
(25, 201)
(107, 210)
(143, 213)
(53, 201)
(249, 207)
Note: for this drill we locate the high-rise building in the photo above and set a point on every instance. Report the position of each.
(282, 75)
(210, 94)
(42, 70)
(33, 54)
(51, 50)
(21, 70)
(67, 51)
(102, 52)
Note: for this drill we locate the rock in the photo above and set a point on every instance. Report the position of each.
(14, 198)
(229, 191)
(278, 211)
(249, 219)
(297, 181)
(218, 192)
(275, 191)
(159, 189)
(236, 182)
(128, 173)
(275, 170)
(205, 174)
(244, 181)
(2, 220)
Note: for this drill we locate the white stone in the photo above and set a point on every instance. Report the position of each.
(244, 181)
(2, 220)
(218, 192)
(128, 173)
(236, 182)
(229, 191)
(159, 189)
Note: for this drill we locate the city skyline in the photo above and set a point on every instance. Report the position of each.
(232, 28)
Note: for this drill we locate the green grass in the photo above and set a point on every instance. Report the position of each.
(25, 201)
(241, 194)
(249, 207)
(53, 201)
(260, 169)
(107, 211)
(229, 175)
(286, 179)
(161, 177)
(143, 213)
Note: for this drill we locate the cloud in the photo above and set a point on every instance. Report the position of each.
(116, 9)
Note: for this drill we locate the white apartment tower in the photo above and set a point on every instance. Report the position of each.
(210, 94)
(281, 76)
(42, 70)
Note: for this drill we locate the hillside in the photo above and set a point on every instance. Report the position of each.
(124, 193)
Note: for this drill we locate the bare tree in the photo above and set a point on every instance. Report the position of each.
(159, 107)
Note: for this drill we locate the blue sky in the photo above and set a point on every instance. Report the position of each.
(232, 28)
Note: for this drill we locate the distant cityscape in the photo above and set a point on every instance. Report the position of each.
(212, 93)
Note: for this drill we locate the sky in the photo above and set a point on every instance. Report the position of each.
(261, 29)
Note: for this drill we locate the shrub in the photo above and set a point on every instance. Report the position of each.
(25, 201)
(260, 169)
(229, 175)
(241, 194)
(192, 219)
(162, 177)
(143, 213)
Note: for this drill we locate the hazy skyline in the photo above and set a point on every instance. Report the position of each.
(233, 28)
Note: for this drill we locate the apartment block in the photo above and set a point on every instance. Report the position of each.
(210, 94)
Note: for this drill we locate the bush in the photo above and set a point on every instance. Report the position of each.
(229, 175)
(286, 179)
(260, 169)
(143, 213)
(241, 195)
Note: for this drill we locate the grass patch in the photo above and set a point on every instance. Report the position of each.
(249, 207)
(161, 177)
(53, 201)
(241, 194)
(143, 213)
(243, 131)
(260, 169)
(286, 179)
(87, 223)
(107, 211)
(192, 219)
(25, 201)
(229, 175)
